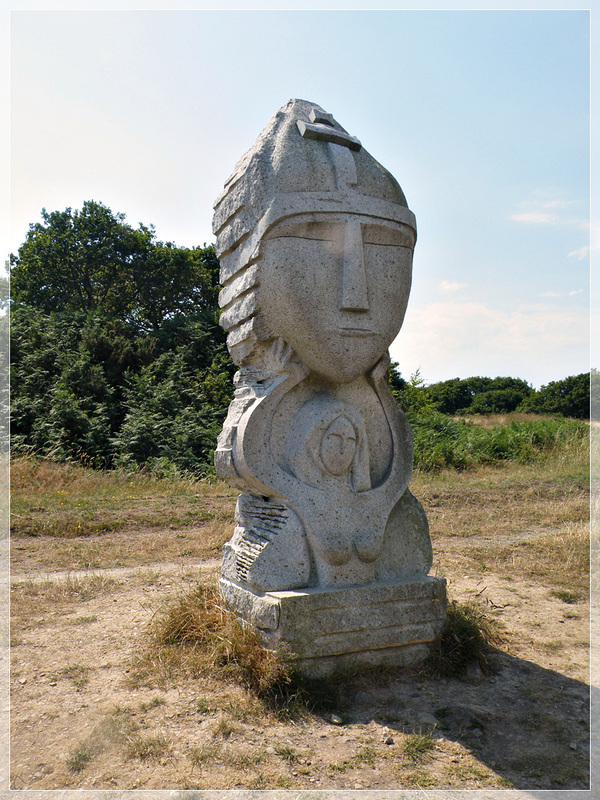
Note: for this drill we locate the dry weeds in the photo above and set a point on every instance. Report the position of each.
(64, 516)
(194, 635)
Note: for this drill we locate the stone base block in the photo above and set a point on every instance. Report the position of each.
(341, 629)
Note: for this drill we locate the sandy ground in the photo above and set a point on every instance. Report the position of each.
(75, 638)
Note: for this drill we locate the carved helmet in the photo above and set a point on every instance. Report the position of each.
(303, 161)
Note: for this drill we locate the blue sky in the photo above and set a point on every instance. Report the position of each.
(482, 116)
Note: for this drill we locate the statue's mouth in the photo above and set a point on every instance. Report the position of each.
(356, 332)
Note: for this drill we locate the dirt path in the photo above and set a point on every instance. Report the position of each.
(117, 573)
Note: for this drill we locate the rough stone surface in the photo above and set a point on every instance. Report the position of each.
(393, 623)
(315, 241)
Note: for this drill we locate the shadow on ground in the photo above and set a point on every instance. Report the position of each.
(528, 724)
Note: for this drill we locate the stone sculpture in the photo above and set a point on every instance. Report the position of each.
(331, 551)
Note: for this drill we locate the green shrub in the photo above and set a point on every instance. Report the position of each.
(418, 746)
(569, 397)
(441, 441)
(117, 358)
(97, 390)
(478, 395)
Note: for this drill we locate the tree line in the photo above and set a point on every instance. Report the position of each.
(117, 358)
(569, 397)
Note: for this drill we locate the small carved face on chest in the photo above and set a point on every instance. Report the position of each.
(327, 442)
(335, 287)
(338, 446)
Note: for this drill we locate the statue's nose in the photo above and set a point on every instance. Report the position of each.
(354, 279)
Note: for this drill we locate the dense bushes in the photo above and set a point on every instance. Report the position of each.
(175, 406)
(479, 395)
(4, 367)
(569, 397)
(117, 359)
(98, 390)
(440, 441)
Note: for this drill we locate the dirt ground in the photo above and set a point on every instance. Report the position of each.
(79, 721)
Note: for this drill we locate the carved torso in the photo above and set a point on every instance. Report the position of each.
(316, 269)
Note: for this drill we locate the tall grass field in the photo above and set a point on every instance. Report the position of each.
(441, 441)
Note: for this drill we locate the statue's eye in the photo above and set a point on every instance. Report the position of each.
(387, 235)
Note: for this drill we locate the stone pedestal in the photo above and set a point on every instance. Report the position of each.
(337, 630)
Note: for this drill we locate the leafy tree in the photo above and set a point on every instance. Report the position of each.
(4, 293)
(117, 355)
(395, 380)
(97, 390)
(569, 397)
(67, 381)
(479, 395)
(4, 366)
(595, 394)
(412, 395)
(92, 260)
(450, 396)
(175, 406)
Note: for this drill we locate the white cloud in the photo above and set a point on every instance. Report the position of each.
(539, 343)
(572, 293)
(580, 254)
(540, 209)
(535, 218)
(554, 204)
(451, 286)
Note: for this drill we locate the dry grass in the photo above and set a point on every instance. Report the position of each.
(148, 747)
(114, 730)
(492, 420)
(76, 673)
(117, 731)
(526, 520)
(560, 558)
(67, 500)
(467, 638)
(288, 753)
(365, 755)
(125, 548)
(418, 746)
(65, 516)
(196, 635)
(419, 779)
(512, 500)
(32, 602)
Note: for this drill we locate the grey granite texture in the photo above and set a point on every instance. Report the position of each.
(316, 243)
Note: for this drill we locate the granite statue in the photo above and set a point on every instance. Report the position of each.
(331, 552)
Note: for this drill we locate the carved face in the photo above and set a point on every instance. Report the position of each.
(338, 446)
(335, 287)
